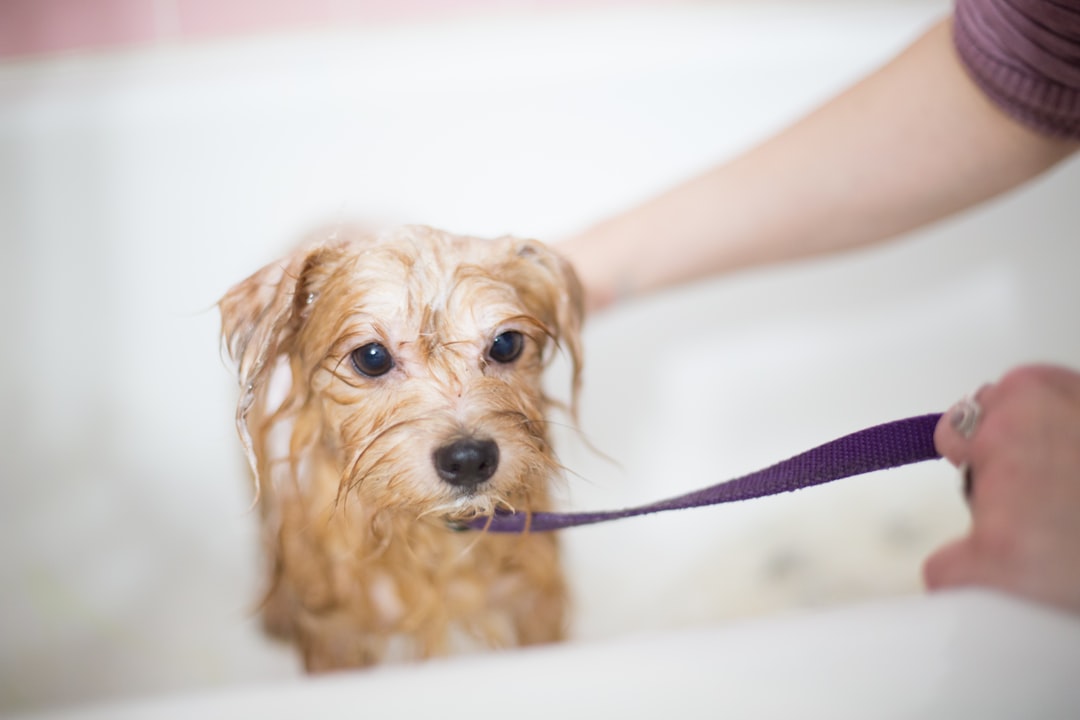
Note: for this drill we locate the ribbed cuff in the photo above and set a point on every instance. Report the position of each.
(1030, 71)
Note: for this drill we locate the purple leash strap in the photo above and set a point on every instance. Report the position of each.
(889, 445)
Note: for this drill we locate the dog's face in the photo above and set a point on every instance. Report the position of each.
(410, 363)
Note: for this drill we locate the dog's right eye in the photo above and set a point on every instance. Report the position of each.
(372, 360)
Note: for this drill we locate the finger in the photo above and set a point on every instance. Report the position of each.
(958, 426)
(948, 442)
(953, 565)
(1061, 380)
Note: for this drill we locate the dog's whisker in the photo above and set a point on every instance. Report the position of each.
(341, 496)
(576, 475)
(351, 477)
(573, 427)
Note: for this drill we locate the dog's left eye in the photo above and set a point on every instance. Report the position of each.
(506, 348)
(372, 359)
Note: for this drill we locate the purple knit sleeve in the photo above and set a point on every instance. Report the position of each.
(1025, 55)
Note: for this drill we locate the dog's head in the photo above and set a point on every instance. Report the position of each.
(408, 362)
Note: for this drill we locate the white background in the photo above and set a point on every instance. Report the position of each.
(137, 186)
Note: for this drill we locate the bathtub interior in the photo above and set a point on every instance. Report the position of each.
(138, 185)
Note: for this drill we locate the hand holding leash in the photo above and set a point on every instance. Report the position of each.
(1018, 443)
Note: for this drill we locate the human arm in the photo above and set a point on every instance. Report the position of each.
(911, 143)
(1024, 460)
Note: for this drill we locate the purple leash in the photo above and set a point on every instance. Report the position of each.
(893, 444)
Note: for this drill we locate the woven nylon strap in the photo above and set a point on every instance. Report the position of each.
(877, 448)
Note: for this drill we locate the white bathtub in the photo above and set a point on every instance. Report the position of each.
(136, 186)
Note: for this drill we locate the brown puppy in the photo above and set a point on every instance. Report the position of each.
(390, 384)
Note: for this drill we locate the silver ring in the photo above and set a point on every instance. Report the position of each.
(964, 417)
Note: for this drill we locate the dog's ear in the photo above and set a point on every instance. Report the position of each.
(260, 319)
(260, 315)
(549, 286)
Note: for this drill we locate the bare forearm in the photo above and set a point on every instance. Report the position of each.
(910, 144)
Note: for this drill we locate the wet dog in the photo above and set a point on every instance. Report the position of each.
(391, 388)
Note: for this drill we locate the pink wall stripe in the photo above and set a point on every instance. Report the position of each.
(45, 26)
(39, 27)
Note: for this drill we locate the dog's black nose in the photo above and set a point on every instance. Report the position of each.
(467, 462)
